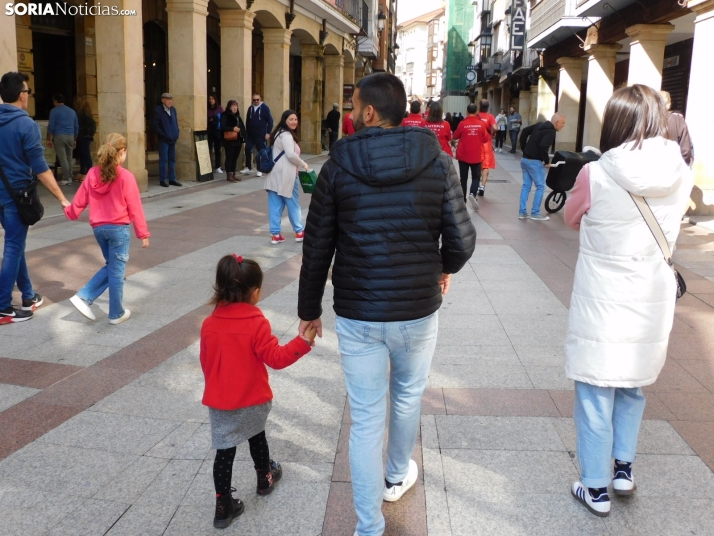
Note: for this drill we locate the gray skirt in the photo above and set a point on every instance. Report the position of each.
(231, 427)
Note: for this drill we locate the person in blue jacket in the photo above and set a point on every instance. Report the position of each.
(165, 123)
(21, 156)
(259, 125)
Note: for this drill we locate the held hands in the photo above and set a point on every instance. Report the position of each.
(306, 327)
(144, 243)
(310, 334)
(65, 203)
(445, 283)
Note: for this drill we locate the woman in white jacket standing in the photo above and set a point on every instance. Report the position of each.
(282, 182)
(622, 306)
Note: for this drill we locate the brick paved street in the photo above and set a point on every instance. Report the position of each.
(102, 430)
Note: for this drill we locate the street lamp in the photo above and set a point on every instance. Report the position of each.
(381, 19)
(472, 48)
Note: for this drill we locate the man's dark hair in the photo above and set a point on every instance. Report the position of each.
(11, 86)
(415, 107)
(58, 97)
(385, 93)
(483, 106)
(471, 109)
(633, 114)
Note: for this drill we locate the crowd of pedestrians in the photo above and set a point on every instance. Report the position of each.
(387, 293)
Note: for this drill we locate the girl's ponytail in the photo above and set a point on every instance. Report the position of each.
(108, 156)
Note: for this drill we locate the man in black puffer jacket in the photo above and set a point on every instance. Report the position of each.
(383, 201)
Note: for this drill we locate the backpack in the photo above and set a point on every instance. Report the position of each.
(264, 161)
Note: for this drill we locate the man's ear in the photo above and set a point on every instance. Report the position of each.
(369, 114)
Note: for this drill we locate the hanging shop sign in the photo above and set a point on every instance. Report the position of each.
(518, 25)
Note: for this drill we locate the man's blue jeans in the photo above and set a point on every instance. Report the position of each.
(607, 423)
(276, 206)
(377, 356)
(253, 143)
(114, 243)
(533, 172)
(167, 156)
(14, 267)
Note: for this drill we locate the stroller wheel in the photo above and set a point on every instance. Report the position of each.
(555, 201)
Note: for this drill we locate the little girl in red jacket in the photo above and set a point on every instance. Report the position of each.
(236, 344)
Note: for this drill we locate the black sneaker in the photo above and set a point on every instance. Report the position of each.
(12, 315)
(481, 191)
(227, 509)
(266, 482)
(33, 303)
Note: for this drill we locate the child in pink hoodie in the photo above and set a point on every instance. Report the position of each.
(114, 202)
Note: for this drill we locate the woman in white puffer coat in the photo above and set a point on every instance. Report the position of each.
(622, 306)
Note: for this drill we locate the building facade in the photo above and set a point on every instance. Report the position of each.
(298, 54)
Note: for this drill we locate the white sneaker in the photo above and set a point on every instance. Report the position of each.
(599, 506)
(246, 171)
(395, 492)
(473, 202)
(540, 217)
(122, 318)
(260, 174)
(65, 183)
(82, 306)
(219, 170)
(623, 483)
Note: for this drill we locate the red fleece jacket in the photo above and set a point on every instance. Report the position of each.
(236, 344)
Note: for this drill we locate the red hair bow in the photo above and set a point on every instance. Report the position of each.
(238, 258)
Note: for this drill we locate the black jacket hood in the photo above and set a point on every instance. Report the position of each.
(384, 156)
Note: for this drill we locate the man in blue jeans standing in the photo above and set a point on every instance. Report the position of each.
(259, 125)
(21, 156)
(536, 140)
(165, 123)
(383, 218)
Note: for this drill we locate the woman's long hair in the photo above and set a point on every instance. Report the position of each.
(215, 101)
(108, 156)
(81, 106)
(633, 114)
(283, 126)
(435, 113)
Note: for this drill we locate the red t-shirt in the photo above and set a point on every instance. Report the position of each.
(443, 132)
(488, 120)
(472, 135)
(414, 120)
(348, 127)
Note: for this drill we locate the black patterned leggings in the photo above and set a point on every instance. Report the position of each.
(223, 463)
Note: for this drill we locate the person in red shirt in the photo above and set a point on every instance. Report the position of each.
(414, 119)
(441, 128)
(348, 127)
(472, 136)
(236, 344)
(114, 202)
(489, 157)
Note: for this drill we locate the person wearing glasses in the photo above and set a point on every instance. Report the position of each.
(259, 125)
(22, 155)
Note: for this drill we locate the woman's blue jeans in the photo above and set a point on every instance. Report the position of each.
(276, 206)
(376, 357)
(607, 423)
(114, 243)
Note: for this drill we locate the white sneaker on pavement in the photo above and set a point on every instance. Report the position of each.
(540, 217)
(246, 171)
(82, 306)
(473, 202)
(219, 170)
(395, 492)
(122, 318)
(260, 174)
(600, 506)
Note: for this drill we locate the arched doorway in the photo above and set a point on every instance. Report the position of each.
(213, 51)
(155, 79)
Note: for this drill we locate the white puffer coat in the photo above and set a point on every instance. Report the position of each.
(622, 306)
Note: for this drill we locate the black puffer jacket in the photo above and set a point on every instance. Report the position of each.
(382, 202)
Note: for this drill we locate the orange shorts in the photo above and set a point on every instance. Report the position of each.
(489, 158)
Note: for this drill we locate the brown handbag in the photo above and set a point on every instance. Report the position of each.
(230, 135)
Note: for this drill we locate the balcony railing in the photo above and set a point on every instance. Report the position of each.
(351, 8)
(364, 21)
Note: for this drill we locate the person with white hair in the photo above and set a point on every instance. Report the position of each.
(333, 123)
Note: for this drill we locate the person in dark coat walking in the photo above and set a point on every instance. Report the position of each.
(232, 129)
(87, 129)
(259, 125)
(165, 123)
(333, 123)
(215, 133)
(388, 206)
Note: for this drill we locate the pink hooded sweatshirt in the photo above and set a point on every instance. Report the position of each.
(113, 203)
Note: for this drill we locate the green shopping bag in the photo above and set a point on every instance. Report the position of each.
(308, 179)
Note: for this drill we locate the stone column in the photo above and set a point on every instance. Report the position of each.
(546, 96)
(236, 58)
(647, 53)
(23, 42)
(334, 79)
(524, 107)
(120, 85)
(571, 73)
(533, 112)
(349, 72)
(701, 125)
(601, 77)
(276, 68)
(311, 103)
(188, 77)
(8, 45)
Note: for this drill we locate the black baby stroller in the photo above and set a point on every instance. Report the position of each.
(564, 168)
